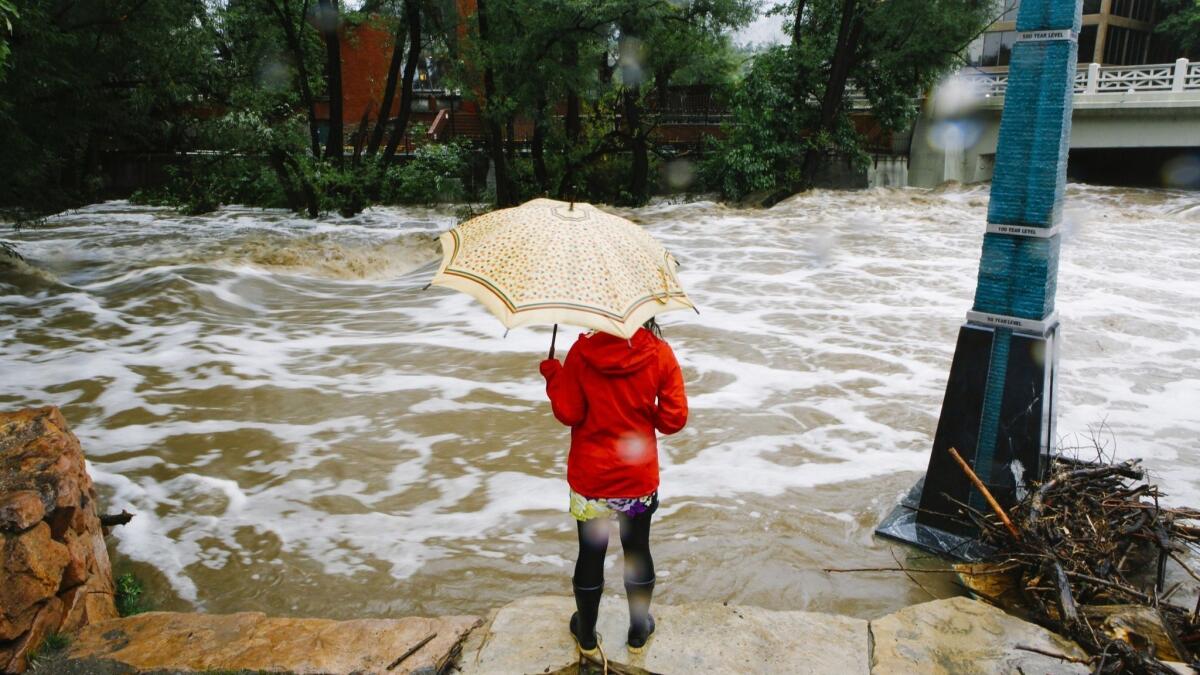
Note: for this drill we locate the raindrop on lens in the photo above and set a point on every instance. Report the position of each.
(273, 75)
(1182, 172)
(680, 174)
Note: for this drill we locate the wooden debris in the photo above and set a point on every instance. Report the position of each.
(1090, 546)
(1012, 529)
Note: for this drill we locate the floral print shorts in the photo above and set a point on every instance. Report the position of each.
(584, 509)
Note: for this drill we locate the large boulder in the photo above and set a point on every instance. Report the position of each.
(961, 636)
(158, 642)
(55, 574)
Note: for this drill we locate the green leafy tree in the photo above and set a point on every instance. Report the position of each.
(7, 13)
(88, 78)
(793, 112)
(1181, 24)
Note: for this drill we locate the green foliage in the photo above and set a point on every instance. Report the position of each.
(1181, 24)
(129, 595)
(52, 645)
(893, 51)
(761, 149)
(434, 174)
(83, 78)
(7, 13)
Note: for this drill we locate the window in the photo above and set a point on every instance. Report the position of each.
(1011, 8)
(1138, 10)
(994, 49)
(1087, 44)
(1007, 39)
(1091, 6)
(1125, 47)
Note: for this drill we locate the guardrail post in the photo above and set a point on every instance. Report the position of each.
(1181, 66)
(1093, 80)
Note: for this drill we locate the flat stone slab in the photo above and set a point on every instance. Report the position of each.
(251, 641)
(530, 636)
(966, 637)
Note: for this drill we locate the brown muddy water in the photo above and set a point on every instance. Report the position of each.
(301, 429)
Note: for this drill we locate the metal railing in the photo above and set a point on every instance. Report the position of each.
(1094, 78)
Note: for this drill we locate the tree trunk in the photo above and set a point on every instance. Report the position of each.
(333, 78)
(504, 192)
(845, 53)
(510, 135)
(537, 146)
(796, 32)
(294, 200)
(412, 16)
(639, 174)
(285, 166)
(798, 79)
(292, 37)
(389, 89)
(573, 126)
(360, 134)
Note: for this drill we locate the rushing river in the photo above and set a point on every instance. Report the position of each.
(301, 429)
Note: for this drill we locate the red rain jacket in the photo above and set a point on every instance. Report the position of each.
(614, 393)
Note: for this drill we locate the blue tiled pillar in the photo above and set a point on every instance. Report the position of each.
(998, 411)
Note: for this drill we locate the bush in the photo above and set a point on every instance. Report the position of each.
(204, 182)
(129, 595)
(434, 174)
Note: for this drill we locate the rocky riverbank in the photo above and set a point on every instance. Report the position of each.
(956, 635)
(55, 579)
(55, 575)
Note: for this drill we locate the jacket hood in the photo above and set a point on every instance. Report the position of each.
(612, 355)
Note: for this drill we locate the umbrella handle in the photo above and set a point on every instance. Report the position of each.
(553, 337)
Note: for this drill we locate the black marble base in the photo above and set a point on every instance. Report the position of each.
(1024, 437)
(901, 525)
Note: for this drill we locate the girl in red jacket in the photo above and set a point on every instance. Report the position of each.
(614, 393)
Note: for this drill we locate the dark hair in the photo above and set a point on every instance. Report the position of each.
(652, 326)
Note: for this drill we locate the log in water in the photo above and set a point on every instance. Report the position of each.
(302, 430)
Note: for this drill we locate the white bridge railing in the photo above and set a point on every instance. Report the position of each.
(1097, 79)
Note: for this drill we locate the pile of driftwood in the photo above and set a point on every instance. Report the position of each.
(1086, 553)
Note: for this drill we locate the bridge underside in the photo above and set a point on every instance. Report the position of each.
(1161, 125)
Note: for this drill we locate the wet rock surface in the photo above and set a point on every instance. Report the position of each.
(963, 636)
(53, 561)
(530, 636)
(957, 635)
(250, 641)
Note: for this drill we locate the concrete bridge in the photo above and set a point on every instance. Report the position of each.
(1146, 106)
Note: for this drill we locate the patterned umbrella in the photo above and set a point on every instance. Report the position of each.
(549, 262)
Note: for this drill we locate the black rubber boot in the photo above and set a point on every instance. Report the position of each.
(641, 624)
(583, 621)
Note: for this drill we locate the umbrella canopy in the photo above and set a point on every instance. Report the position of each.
(549, 262)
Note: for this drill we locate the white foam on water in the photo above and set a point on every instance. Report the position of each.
(265, 390)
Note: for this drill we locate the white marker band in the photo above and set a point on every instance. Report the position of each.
(1033, 326)
(1047, 35)
(1023, 230)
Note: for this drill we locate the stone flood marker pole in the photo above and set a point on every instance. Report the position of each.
(998, 411)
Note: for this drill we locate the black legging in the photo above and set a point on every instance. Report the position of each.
(635, 540)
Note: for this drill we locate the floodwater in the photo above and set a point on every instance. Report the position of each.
(301, 429)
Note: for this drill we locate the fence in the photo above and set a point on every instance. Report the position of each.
(1094, 78)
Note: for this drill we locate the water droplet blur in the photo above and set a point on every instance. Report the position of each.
(633, 448)
(680, 174)
(953, 105)
(324, 18)
(631, 61)
(274, 75)
(956, 134)
(955, 96)
(1182, 172)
